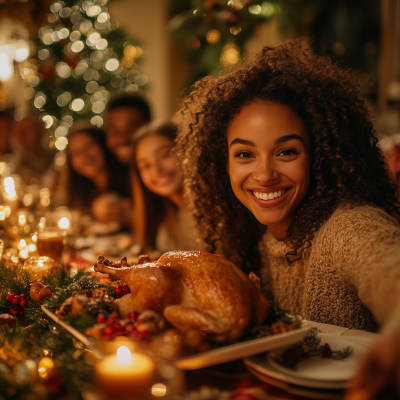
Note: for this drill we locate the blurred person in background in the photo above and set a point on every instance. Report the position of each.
(95, 183)
(6, 120)
(33, 157)
(160, 217)
(126, 113)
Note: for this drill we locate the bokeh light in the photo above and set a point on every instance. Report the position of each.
(112, 64)
(61, 143)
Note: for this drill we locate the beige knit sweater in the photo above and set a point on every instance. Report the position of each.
(350, 276)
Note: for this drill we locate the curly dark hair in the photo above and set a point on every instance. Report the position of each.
(346, 163)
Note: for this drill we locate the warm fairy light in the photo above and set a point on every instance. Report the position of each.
(48, 121)
(112, 64)
(9, 181)
(7, 211)
(34, 238)
(213, 36)
(77, 104)
(21, 54)
(45, 365)
(27, 200)
(22, 219)
(2, 167)
(124, 355)
(22, 243)
(63, 223)
(255, 9)
(235, 31)
(97, 120)
(98, 107)
(2, 216)
(61, 143)
(44, 54)
(230, 55)
(267, 9)
(23, 253)
(77, 46)
(158, 390)
(32, 247)
(6, 65)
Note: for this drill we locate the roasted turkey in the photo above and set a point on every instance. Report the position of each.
(193, 289)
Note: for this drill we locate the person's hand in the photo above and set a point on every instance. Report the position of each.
(378, 375)
(110, 207)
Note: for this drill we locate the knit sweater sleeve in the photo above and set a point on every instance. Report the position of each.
(363, 245)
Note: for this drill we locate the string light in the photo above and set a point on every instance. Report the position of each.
(82, 80)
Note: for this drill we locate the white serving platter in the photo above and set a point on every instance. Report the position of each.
(247, 348)
(314, 373)
(220, 355)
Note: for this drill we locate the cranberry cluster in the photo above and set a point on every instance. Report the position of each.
(119, 291)
(18, 304)
(131, 326)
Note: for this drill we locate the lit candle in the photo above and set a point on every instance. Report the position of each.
(126, 374)
(38, 266)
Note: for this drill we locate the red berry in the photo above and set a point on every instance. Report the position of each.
(101, 318)
(16, 300)
(109, 330)
(118, 291)
(113, 316)
(22, 312)
(126, 289)
(22, 296)
(23, 303)
(14, 310)
(9, 297)
(133, 315)
(52, 295)
(130, 330)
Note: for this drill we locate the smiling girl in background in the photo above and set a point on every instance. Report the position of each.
(160, 217)
(284, 176)
(95, 185)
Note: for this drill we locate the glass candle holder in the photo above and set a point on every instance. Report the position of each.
(136, 370)
(38, 266)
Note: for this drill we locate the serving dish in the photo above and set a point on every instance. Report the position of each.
(219, 355)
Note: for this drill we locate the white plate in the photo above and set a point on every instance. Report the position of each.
(323, 369)
(243, 349)
(261, 364)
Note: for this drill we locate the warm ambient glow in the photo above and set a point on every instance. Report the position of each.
(63, 223)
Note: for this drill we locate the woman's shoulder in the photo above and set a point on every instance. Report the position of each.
(360, 222)
(349, 216)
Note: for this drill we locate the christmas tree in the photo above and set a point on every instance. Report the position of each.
(82, 59)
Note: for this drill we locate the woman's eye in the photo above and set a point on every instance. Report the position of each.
(244, 154)
(288, 152)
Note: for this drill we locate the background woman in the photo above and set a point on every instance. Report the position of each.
(93, 177)
(160, 218)
(281, 163)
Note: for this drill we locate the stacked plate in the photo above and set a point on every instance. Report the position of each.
(319, 378)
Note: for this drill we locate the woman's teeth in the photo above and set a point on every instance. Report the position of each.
(269, 196)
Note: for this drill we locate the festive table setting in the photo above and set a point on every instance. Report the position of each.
(74, 328)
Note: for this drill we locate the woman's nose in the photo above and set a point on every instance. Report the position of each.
(265, 172)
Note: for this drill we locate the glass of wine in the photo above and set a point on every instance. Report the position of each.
(51, 242)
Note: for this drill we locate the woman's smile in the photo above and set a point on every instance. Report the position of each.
(269, 163)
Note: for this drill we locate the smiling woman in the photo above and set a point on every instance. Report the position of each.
(283, 173)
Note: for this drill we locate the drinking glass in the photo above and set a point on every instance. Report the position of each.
(51, 242)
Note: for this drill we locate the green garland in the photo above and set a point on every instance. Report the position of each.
(43, 339)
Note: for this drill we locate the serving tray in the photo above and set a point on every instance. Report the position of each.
(230, 352)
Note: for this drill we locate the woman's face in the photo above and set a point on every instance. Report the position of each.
(85, 154)
(269, 163)
(157, 165)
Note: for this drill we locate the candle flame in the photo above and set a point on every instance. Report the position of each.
(124, 356)
(63, 223)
